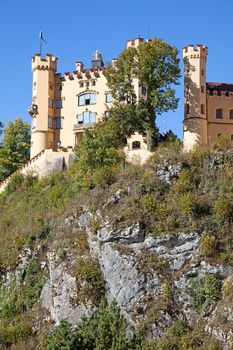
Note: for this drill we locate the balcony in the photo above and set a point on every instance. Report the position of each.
(83, 126)
(33, 109)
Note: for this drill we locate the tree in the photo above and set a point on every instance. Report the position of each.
(15, 147)
(154, 65)
(98, 153)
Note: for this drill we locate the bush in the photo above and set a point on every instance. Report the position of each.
(104, 176)
(106, 330)
(15, 183)
(148, 204)
(205, 290)
(13, 334)
(89, 271)
(223, 208)
(208, 245)
(33, 282)
(187, 203)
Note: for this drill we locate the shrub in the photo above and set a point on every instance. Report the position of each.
(223, 208)
(15, 183)
(187, 203)
(148, 204)
(33, 282)
(205, 290)
(208, 245)
(106, 330)
(104, 176)
(13, 334)
(62, 338)
(89, 271)
(184, 183)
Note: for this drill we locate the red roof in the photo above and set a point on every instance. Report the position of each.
(219, 87)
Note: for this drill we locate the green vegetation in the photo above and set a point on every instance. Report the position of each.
(89, 271)
(205, 291)
(33, 213)
(15, 147)
(106, 330)
(156, 66)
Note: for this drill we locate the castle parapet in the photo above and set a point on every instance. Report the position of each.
(191, 51)
(48, 63)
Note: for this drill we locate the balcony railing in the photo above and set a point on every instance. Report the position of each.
(82, 126)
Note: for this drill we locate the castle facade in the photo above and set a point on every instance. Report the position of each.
(208, 106)
(63, 106)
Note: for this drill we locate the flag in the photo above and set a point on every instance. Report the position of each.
(42, 37)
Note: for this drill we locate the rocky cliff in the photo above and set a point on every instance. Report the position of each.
(158, 240)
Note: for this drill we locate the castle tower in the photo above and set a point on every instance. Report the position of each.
(195, 114)
(42, 109)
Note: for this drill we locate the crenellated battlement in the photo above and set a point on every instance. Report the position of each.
(84, 74)
(48, 63)
(191, 51)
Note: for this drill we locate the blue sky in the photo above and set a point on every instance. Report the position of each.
(75, 29)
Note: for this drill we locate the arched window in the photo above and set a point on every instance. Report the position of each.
(87, 99)
(231, 137)
(136, 145)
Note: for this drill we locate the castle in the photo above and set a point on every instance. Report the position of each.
(208, 107)
(64, 106)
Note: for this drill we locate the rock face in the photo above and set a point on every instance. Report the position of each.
(142, 273)
(151, 278)
(59, 294)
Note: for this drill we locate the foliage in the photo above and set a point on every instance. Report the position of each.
(106, 330)
(13, 334)
(168, 136)
(223, 208)
(62, 338)
(205, 290)
(97, 154)
(208, 245)
(15, 147)
(89, 271)
(156, 66)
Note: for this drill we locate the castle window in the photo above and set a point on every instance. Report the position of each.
(80, 118)
(51, 103)
(202, 109)
(143, 90)
(219, 113)
(108, 97)
(187, 108)
(231, 137)
(231, 114)
(87, 99)
(93, 83)
(202, 89)
(58, 123)
(202, 72)
(86, 117)
(81, 84)
(136, 145)
(59, 103)
(107, 114)
(50, 122)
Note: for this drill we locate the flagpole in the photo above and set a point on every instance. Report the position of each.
(40, 41)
